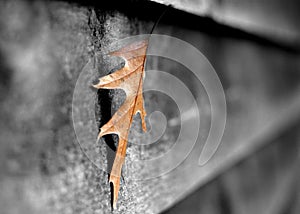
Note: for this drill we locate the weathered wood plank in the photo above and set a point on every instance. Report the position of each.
(276, 20)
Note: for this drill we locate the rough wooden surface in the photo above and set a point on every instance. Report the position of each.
(45, 45)
(273, 19)
(267, 182)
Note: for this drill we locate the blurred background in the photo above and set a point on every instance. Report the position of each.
(254, 47)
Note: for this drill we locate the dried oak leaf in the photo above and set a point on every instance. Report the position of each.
(130, 79)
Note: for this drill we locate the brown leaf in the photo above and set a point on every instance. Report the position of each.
(130, 79)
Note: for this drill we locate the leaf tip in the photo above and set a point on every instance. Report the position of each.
(115, 184)
(100, 134)
(98, 137)
(96, 85)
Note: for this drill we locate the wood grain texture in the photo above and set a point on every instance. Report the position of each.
(45, 45)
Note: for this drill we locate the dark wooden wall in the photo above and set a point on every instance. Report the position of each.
(45, 45)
